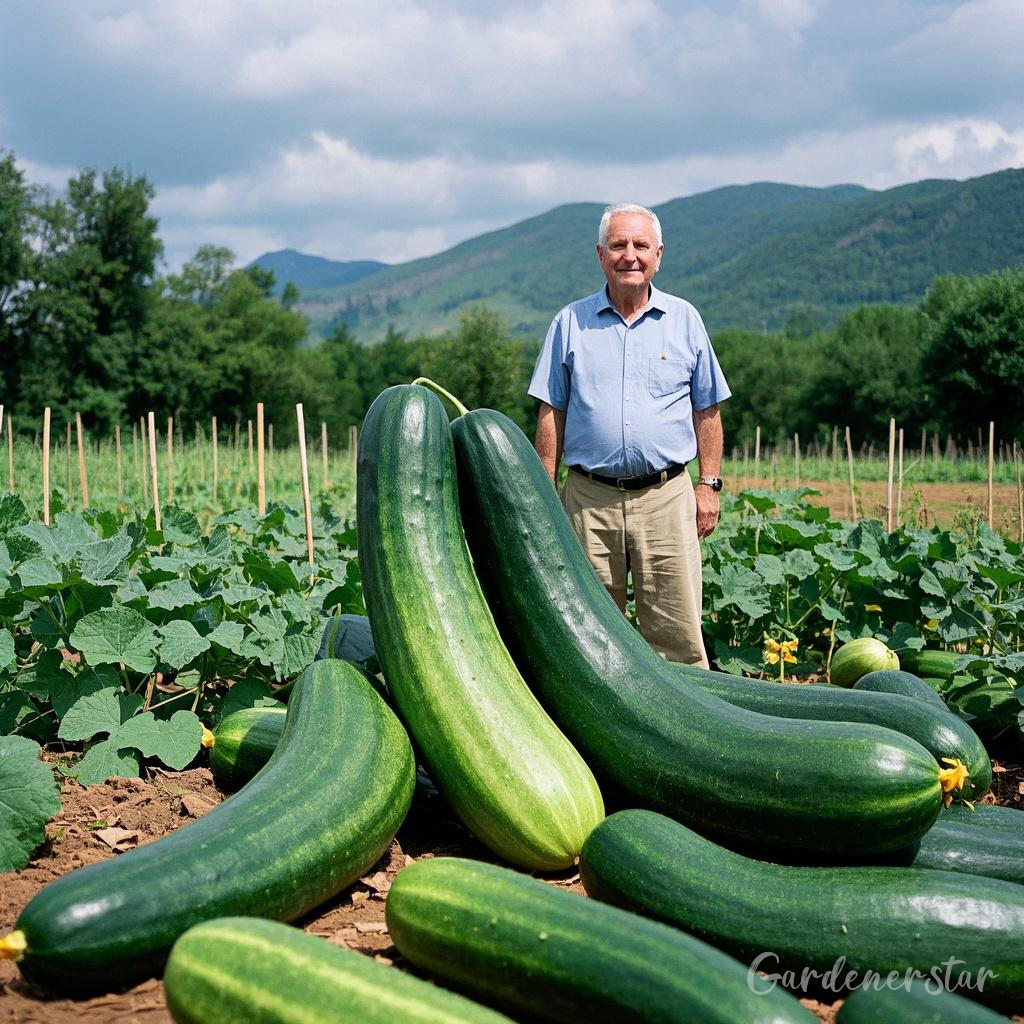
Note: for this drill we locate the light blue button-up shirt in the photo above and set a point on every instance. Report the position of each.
(628, 390)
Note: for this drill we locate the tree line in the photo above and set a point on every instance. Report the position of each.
(89, 324)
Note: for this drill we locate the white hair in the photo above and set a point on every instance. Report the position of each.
(615, 209)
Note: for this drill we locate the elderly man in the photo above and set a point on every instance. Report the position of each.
(629, 389)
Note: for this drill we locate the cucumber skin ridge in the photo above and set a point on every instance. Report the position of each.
(324, 809)
(643, 729)
(539, 952)
(878, 918)
(935, 728)
(260, 972)
(489, 746)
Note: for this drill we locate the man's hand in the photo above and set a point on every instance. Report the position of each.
(707, 510)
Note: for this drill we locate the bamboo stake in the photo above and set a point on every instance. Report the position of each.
(888, 487)
(135, 447)
(796, 454)
(145, 460)
(83, 477)
(1020, 494)
(899, 479)
(835, 452)
(757, 453)
(199, 457)
(849, 457)
(323, 453)
(46, 466)
(261, 466)
(10, 455)
(170, 458)
(213, 439)
(252, 468)
(154, 476)
(306, 506)
(353, 445)
(991, 456)
(117, 452)
(67, 462)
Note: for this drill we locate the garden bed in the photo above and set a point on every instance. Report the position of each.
(98, 822)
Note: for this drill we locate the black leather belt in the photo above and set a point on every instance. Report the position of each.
(633, 483)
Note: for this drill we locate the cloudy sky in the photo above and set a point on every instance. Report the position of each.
(394, 130)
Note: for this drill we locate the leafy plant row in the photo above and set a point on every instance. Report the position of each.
(779, 569)
(124, 639)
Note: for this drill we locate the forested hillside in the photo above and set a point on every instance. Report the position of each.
(751, 256)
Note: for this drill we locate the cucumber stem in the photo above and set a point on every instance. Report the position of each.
(13, 946)
(447, 395)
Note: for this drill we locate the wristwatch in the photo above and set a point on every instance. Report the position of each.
(714, 482)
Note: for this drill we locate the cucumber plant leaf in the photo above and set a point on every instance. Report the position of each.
(28, 799)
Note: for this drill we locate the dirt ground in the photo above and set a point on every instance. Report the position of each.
(99, 822)
(925, 505)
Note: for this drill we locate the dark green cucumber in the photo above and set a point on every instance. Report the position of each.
(921, 1003)
(812, 786)
(898, 681)
(243, 743)
(490, 748)
(546, 954)
(935, 728)
(324, 809)
(260, 972)
(1005, 821)
(939, 664)
(951, 845)
(878, 918)
(350, 638)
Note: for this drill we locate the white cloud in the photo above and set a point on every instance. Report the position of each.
(958, 149)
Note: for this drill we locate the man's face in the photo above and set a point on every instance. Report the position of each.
(632, 256)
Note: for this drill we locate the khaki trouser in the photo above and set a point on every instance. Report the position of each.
(653, 533)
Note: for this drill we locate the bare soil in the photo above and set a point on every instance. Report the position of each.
(99, 822)
(924, 505)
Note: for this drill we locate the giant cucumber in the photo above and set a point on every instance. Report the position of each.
(260, 972)
(814, 786)
(324, 809)
(881, 919)
(934, 727)
(490, 748)
(543, 953)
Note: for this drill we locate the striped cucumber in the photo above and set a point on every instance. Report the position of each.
(324, 809)
(921, 1003)
(494, 754)
(898, 681)
(881, 919)
(261, 972)
(812, 786)
(243, 743)
(934, 727)
(543, 953)
(952, 845)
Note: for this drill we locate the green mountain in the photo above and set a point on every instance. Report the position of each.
(308, 273)
(747, 256)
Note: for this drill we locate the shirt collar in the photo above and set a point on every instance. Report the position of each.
(656, 301)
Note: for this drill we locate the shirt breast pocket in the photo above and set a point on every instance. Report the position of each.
(668, 377)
